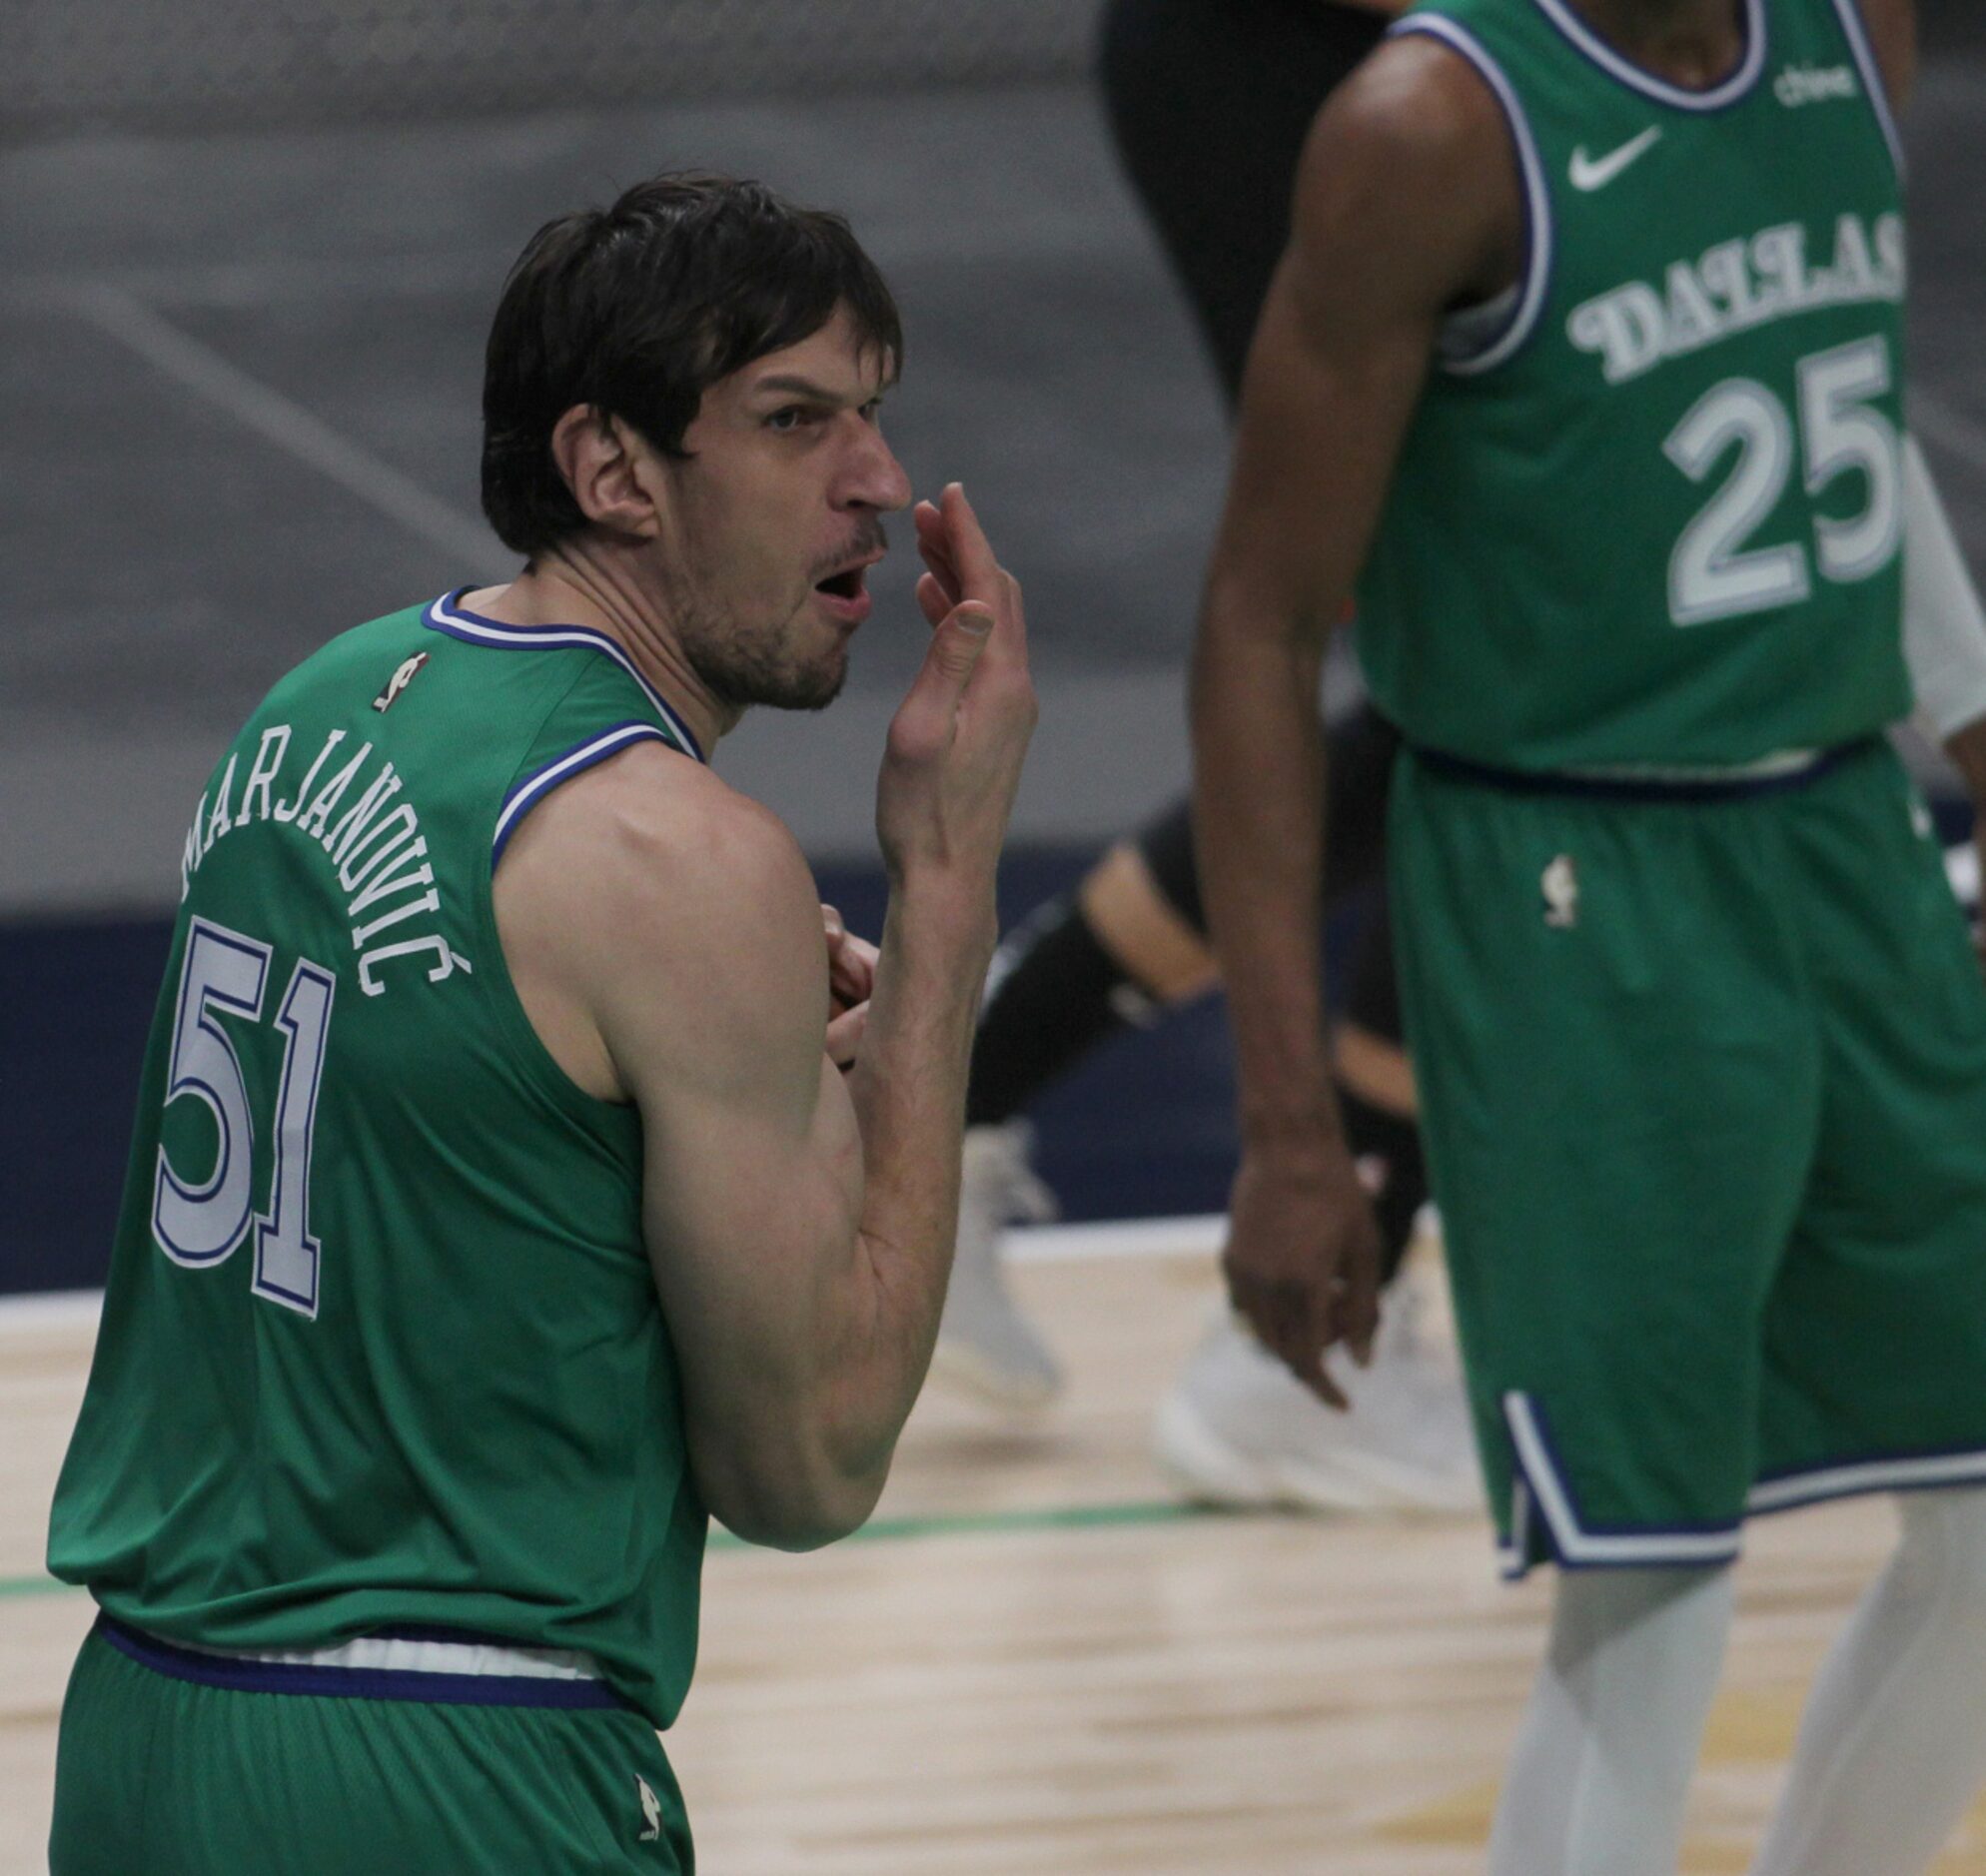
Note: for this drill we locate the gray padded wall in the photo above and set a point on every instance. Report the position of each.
(219, 64)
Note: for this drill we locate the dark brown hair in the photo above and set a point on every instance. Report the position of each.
(639, 308)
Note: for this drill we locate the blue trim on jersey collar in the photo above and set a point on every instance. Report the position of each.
(582, 755)
(1618, 66)
(445, 616)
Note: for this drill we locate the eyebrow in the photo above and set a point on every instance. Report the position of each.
(792, 384)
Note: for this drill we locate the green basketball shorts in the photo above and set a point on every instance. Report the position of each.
(181, 1764)
(1703, 1083)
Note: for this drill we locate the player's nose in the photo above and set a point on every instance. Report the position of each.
(875, 478)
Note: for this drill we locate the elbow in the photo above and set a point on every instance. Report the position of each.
(788, 1524)
(791, 1534)
(1253, 648)
(786, 1505)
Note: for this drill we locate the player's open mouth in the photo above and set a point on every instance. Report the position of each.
(846, 595)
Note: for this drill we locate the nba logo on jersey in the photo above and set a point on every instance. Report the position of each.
(652, 1809)
(1560, 886)
(399, 681)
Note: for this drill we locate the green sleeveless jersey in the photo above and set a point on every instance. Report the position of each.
(1649, 509)
(380, 1349)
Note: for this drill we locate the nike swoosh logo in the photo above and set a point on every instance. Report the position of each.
(1590, 173)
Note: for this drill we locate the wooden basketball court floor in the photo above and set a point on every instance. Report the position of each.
(1035, 1660)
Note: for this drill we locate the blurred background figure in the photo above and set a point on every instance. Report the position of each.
(1209, 102)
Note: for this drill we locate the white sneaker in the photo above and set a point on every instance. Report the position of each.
(985, 1343)
(1238, 1429)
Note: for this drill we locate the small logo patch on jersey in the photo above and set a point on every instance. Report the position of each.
(1814, 84)
(1560, 885)
(652, 1809)
(399, 682)
(1590, 173)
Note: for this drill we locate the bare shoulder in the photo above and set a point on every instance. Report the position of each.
(1409, 166)
(1892, 29)
(1417, 92)
(678, 914)
(1416, 111)
(652, 823)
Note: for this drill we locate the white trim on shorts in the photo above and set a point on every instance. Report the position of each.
(400, 1654)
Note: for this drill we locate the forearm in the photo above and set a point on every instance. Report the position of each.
(808, 1335)
(909, 1090)
(1259, 777)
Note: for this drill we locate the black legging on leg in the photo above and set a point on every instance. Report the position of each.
(1209, 103)
(1359, 751)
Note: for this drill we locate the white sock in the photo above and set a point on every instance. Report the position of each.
(1601, 1775)
(1892, 1746)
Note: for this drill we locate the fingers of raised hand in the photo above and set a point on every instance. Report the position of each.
(852, 971)
(971, 552)
(954, 546)
(844, 1036)
(927, 718)
(934, 547)
(1014, 641)
(932, 599)
(962, 566)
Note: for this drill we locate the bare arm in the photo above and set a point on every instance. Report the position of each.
(1406, 203)
(799, 1223)
(1892, 26)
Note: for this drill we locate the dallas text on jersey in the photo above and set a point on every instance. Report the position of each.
(1735, 286)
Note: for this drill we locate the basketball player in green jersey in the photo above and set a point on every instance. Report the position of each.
(1584, 366)
(505, 1199)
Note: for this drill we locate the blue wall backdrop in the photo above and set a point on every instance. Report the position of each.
(1144, 1128)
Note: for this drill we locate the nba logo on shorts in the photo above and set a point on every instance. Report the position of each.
(652, 1809)
(1560, 886)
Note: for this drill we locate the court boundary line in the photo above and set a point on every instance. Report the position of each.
(1132, 1515)
(1199, 1235)
(285, 424)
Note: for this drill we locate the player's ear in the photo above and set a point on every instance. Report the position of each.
(610, 469)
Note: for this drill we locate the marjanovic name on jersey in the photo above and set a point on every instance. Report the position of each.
(378, 850)
(1735, 286)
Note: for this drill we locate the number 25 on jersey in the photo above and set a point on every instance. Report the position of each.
(1712, 574)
